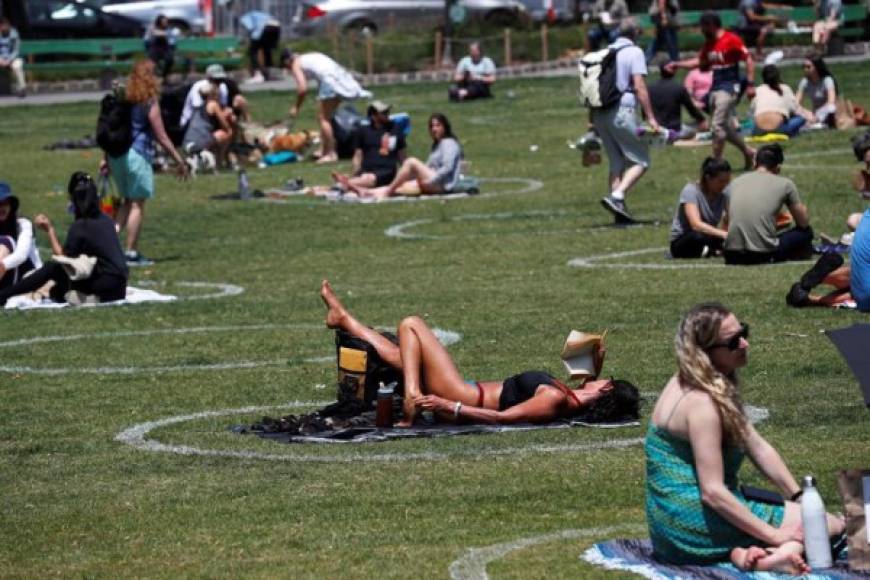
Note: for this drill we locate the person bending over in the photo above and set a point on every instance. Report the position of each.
(438, 175)
(91, 234)
(668, 99)
(775, 108)
(698, 437)
(18, 252)
(474, 76)
(334, 84)
(755, 202)
(432, 381)
(380, 148)
(700, 223)
(819, 84)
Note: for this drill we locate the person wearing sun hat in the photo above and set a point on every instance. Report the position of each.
(18, 253)
(229, 95)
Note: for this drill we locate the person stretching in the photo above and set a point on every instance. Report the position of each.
(433, 383)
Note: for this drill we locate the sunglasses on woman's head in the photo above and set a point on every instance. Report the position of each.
(734, 342)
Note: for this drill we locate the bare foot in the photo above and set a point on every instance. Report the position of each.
(336, 312)
(341, 179)
(324, 159)
(747, 558)
(404, 424)
(787, 562)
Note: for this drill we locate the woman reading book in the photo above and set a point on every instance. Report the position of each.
(433, 383)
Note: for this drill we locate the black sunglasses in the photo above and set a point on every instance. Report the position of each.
(734, 342)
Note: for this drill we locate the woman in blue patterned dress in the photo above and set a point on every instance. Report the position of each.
(697, 438)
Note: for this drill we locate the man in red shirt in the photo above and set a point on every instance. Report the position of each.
(723, 51)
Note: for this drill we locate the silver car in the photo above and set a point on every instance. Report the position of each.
(562, 10)
(315, 17)
(183, 14)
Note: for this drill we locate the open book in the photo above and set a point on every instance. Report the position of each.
(577, 354)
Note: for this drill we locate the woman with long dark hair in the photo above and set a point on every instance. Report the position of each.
(432, 381)
(775, 108)
(700, 223)
(438, 175)
(821, 87)
(92, 234)
(698, 436)
(18, 253)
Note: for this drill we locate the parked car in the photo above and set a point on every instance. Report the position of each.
(317, 16)
(66, 19)
(185, 15)
(562, 10)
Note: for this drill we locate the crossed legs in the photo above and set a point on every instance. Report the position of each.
(425, 363)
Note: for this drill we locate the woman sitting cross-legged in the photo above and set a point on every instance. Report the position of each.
(697, 439)
(700, 223)
(438, 175)
(92, 234)
(18, 253)
(432, 381)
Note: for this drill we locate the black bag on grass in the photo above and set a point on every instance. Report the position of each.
(361, 369)
(345, 123)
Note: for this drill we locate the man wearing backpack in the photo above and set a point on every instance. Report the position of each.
(723, 51)
(616, 122)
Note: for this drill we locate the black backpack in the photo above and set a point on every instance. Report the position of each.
(597, 72)
(114, 126)
(361, 369)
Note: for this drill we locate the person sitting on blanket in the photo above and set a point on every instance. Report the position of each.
(433, 383)
(92, 234)
(698, 436)
(380, 148)
(18, 253)
(700, 223)
(668, 99)
(775, 108)
(439, 175)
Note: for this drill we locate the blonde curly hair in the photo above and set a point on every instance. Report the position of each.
(143, 85)
(698, 331)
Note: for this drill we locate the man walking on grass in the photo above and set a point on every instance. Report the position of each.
(617, 125)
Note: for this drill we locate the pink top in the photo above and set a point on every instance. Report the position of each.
(698, 83)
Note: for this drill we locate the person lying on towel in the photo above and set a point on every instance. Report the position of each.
(439, 175)
(433, 383)
(93, 236)
(698, 437)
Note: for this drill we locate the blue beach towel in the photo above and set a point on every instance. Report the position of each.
(636, 556)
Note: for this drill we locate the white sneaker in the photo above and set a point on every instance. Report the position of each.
(256, 79)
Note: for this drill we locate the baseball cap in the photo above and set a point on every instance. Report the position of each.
(215, 71)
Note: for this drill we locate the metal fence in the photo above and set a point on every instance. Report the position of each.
(226, 15)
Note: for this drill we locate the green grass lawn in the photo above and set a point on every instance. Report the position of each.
(77, 503)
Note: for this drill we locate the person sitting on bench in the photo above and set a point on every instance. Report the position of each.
(439, 175)
(432, 381)
(700, 223)
(755, 202)
(92, 234)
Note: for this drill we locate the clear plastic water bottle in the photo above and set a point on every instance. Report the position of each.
(244, 186)
(816, 541)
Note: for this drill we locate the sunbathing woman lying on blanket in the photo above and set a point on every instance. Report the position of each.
(438, 175)
(697, 438)
(91, 234)
(530, 397)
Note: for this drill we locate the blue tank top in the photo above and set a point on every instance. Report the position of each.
(143, 135)
(859, 262)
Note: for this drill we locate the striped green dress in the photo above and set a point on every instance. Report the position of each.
(682, 529)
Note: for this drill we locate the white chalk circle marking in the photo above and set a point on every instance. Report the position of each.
(400, 231)
(607, 261)
(447, 338)
(221, 289)
(137, 437)
(472, 566)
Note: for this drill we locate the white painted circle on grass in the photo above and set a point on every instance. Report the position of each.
(447, 338)
(607, 261)
(472, 566)
(137, 437)
(401, 231)
(220, 289)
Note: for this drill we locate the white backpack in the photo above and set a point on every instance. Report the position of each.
(597, 72)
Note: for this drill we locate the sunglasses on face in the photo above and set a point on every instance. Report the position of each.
(734, 342)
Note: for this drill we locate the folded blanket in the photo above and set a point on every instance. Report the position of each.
(636, 556)
(134, 296)
(363, 432)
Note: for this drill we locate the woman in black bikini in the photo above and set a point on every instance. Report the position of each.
(529, 397)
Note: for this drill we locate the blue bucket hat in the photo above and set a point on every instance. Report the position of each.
(6, 194)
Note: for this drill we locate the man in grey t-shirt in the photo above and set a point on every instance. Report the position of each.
(474, 76)
(756, 200)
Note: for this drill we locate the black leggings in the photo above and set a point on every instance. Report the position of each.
(692, 243)
(795, 244)
(268, 42)
(106, 287)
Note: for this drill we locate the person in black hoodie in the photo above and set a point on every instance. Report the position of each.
(91, 234)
